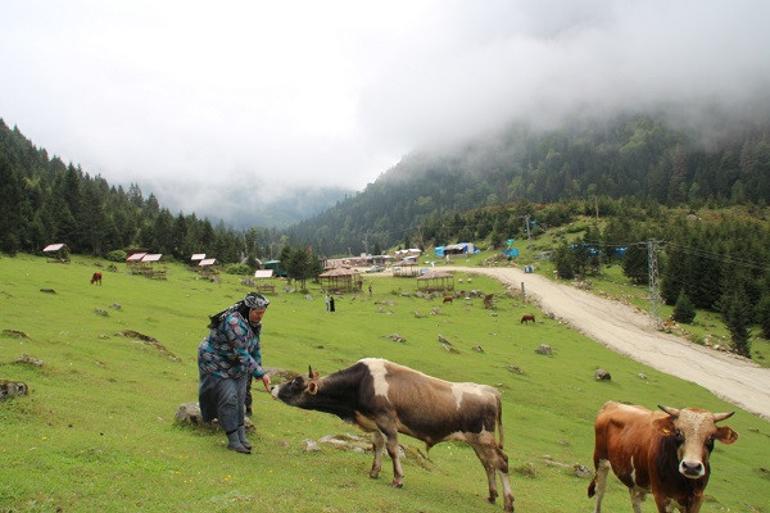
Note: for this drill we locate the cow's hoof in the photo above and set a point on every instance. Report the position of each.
(508, 507)
(374, 475)
(492, 499)
(397, 484)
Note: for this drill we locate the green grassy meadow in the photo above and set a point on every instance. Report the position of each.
(96, 433)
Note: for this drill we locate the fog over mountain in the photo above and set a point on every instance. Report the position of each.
(196, 101)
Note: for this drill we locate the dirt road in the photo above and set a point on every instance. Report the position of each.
(629, 332)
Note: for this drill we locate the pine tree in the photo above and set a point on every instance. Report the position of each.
(684, 311)
(736, 312)
(564, 262)
(11, 196)
(763, 315)
(635, 264)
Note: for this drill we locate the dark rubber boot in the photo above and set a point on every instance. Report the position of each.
(234, 443)
(242, 437)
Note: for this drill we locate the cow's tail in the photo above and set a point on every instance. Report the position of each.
(500, 422)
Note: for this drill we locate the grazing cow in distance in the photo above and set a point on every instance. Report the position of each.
(665, 453)
(96, 278)
(385, 398)
(527, 318)
(448, 299)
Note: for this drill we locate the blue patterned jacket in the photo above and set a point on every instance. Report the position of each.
(232, 349)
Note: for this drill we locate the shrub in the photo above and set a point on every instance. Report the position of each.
(117, 255)
(238, 269)
(684, 311)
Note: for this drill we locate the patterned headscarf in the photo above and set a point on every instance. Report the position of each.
(252, 300)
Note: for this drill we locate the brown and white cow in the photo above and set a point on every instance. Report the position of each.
(385, 398)
(665, 453)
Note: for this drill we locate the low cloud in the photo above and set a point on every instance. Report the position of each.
(193, 100)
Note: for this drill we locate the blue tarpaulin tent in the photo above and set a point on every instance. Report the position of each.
(511, 252)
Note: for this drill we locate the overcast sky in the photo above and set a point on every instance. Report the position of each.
(192, 98)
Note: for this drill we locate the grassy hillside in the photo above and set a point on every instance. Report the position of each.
(96, 433)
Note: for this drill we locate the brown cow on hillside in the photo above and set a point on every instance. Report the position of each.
(665, 453)
(385, 398)
(527, 318)
(448, 299)
(96, 278)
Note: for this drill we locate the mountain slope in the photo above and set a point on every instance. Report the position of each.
(634, 156)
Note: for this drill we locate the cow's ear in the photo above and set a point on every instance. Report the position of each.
(312, 388)
(726, 435)
(665, 426)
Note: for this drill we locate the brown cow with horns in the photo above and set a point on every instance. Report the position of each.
(666, 453)
(385, 399)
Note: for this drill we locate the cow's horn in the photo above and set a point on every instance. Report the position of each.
(671, 411)
(723, 416)
(309, 371)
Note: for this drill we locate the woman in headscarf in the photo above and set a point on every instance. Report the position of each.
(227, 360)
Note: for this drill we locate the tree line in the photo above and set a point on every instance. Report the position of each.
(639, 157)
(43, 200)
(721, 264)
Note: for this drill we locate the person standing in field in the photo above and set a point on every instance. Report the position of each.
(228, 358)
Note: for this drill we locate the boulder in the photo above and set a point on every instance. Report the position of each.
(48, 291)
(582, 471)
(189, 415)
(395, 337)
(100, 312)
(10, 389)
(602, 375)
(478, 349)
(29, 360)
(310, 445)
(544, 349)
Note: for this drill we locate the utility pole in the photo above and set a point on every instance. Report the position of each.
(652, 264)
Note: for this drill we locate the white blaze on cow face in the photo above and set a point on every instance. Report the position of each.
(697, 427)
(378, 371)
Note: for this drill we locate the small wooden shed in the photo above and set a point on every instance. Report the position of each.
(435, 281)
(58, 252)
(341, 279)
(406, 269)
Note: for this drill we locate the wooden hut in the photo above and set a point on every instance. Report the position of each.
(406, 268)
(341, 279)
(58, 252)
(263, 277)
(196, 259)
(133, 262)
(207, 268)
(150, 263)
(436, 280)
